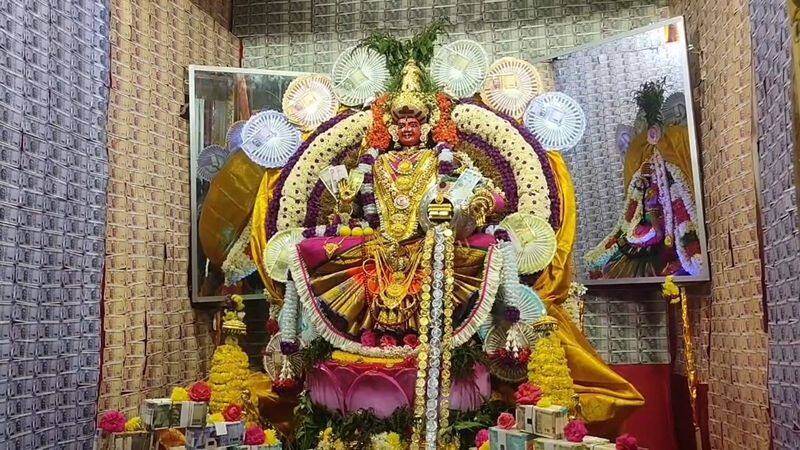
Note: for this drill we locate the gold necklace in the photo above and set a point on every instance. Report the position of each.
(399, 199)
(331, 247)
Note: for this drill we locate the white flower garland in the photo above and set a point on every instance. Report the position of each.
(520, 155)
(237, 264)
(303, 176)
(680, 190)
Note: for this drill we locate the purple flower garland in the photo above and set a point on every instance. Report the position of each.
(544, 161)
(275, 203)
(502, 165)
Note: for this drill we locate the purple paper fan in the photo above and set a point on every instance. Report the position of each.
(233, 140)
(210, 161)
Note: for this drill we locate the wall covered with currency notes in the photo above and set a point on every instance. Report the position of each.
(773, 35)
(733, 317)
(53, 175)
(153, 339)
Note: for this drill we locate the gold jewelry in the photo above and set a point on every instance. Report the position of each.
(399, 198)
(331, 247)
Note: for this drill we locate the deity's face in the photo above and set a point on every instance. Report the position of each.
(408, 131)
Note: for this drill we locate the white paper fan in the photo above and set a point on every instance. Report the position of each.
(210, 161)
(531, 307)
(510, 85)
(269, 139)
(309, 101)
(358, 75)
(556, 119)
(278, 252)
(496, 340)
(534, 240)
(272, 359)
(459, 67)
(673, 111)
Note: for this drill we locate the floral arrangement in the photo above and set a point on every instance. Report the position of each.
(528, 172)
(575, 430)
(179, 395)
(229, 370)
(506, 421)
(481, 438)
(445, 130)
(232, 413)
(134, 424)
(387, 441)
(528, 394)
(548, 370)
(627, 442)
(254, 435)
(200, 391)
(670, 291)
(238, 264)
(112, 421)
(378, 136)
(300, 173)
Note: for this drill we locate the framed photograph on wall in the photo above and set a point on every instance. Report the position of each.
(224, 180)
(637, 168)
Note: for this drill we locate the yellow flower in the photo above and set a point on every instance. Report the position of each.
(484, 446)
(179, 394)
(238, 300)
(215, 418)
(134, 424)
(670, 290)
(271, 438)
(393, 440)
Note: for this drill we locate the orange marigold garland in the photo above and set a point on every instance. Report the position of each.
(445, 130)
(379, 136)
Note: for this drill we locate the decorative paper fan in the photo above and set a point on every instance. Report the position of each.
(673, 111)
(269, 139)
(272, 359)
(210, 161)
(556, 119)
(309, 101)
(496, 340)
(278, 252)
(233, 139)
(510, 85)
(531, 308)
(459, 67)
(358, 75)
(308, 332)
(625, 134)
(534, 240)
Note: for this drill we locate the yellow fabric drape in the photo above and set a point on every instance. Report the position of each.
(604, 394)
(227, 205)
(258, 227)
(673, 146)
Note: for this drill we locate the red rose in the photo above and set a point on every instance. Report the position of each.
(524, 355)
(679, 211)
(575, 431)
(528, 394)
(369, 338)
(627, 442)
(693, 248)
(200, 392)
(388, 341)
(272, 327)
(506, 421)
(232, 413)
(411, 340)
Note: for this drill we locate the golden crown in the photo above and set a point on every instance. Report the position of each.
(410, 101)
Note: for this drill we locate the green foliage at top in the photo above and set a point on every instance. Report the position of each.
(649, 98)
(398, 52)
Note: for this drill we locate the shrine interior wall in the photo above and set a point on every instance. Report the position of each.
(153, 338)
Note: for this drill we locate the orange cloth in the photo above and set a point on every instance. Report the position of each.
(604, 394)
